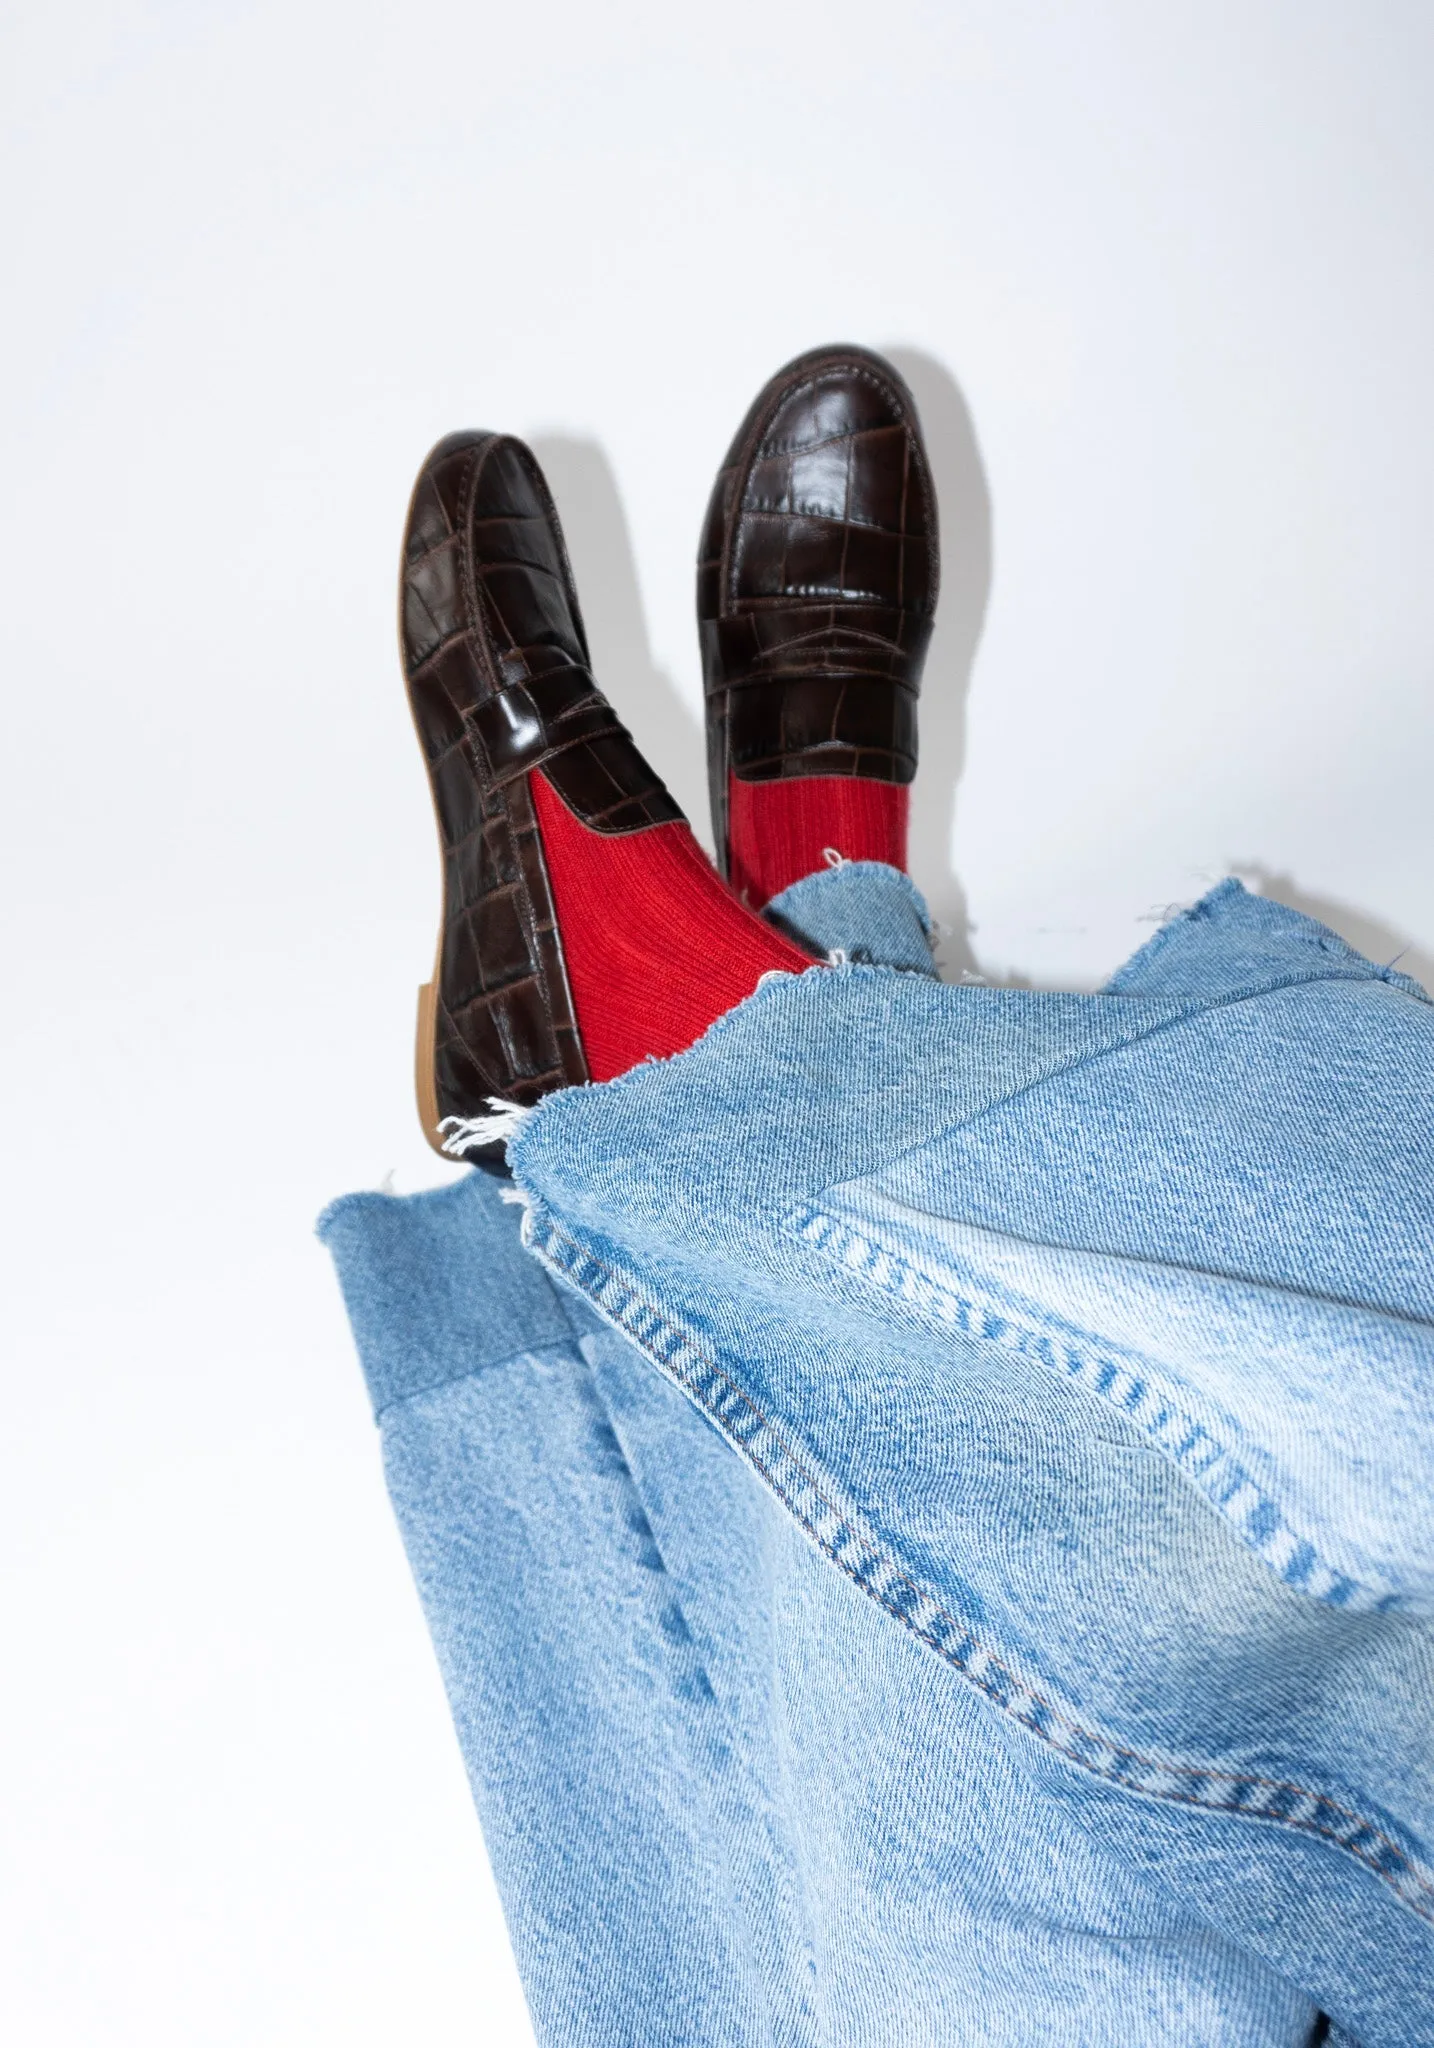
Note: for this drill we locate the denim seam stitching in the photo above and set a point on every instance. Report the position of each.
(949, 1637)
(1285, 1289)
(1194, 1008)
(1188, 1008)
(1200, 1456)
(785, 1879)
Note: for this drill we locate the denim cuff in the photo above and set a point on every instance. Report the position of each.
(438, 1286)
(862, 908)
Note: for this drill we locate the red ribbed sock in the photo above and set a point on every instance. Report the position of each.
(779, 831)
(657, 946)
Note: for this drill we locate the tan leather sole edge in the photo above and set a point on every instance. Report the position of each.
(425, 1085)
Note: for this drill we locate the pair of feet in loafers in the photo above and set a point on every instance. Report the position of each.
(583, 927)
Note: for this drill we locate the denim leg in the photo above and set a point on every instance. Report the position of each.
(635, 1871)
(944, 1899)
(822, 1835)
(723, 1801)
(1091, 1338)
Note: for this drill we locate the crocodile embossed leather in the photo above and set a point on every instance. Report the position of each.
(583, 927)
(498, 676)
(816, 583)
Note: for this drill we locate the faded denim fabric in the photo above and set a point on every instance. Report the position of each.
(861, 909)
(1003, 1614)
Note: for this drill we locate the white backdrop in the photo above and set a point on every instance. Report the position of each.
(1160, 276)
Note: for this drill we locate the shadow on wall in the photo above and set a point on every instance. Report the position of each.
(964, 503)
(1378, 942)
(645, 697)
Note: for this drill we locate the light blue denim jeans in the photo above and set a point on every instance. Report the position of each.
(925, 1502)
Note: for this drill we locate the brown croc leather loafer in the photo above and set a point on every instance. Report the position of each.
(499, 681)
(816, 581)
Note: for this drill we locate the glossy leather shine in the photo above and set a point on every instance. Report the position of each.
(496, 662)
(817, 579)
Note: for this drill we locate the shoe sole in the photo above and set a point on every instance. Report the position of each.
(425, 1080)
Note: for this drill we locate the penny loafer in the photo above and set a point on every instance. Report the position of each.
(816, 581)
(500, 684)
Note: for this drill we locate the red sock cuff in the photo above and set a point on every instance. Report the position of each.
(777, 832)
